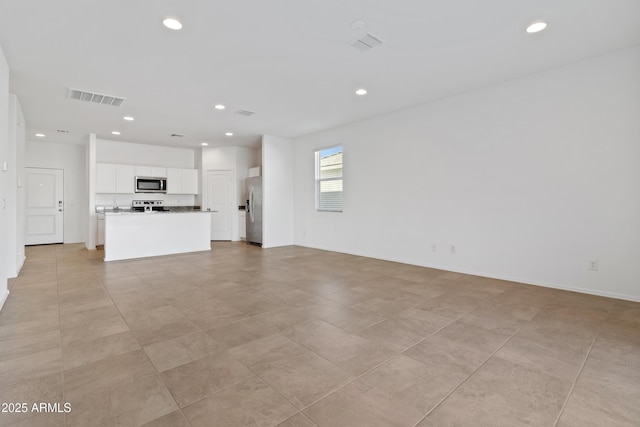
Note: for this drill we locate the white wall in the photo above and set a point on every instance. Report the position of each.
(197, 160)
(277, 191)
(4, 176)
(72, 160)
(529, 180)
(90, 212)
(16, 194)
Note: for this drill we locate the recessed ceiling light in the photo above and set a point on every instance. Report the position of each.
(361, 92)
(40, 135)
(204, 144)
(219, 107)
(172, 24)
(357, 25)
(115, 132)
(128, 118)
(536, 26)
(229, 133)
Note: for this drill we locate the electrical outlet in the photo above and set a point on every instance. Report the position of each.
(593, 264)
(453, 249)
(433, 247)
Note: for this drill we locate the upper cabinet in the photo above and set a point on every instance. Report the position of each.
(119, 179)
(151, 171)
(182, 181)
(114, 179)
(190, 181)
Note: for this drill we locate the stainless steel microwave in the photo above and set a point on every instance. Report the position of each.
(150, 184)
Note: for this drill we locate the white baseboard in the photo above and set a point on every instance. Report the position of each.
(3, 297)
(21, 264)
(548, 285)
(525, 281)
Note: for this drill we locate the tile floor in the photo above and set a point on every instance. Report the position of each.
(299, 337)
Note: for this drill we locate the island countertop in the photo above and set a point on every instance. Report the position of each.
(139, 234)
(125, 212)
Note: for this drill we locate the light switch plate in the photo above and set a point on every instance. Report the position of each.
(5, 166)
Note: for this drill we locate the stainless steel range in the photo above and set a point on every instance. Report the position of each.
(148, 205)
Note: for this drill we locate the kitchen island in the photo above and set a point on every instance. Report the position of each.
(144, 234)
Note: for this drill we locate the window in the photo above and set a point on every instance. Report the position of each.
(329, 179)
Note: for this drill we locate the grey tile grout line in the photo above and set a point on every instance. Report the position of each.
(392, 357)
(374, 367)
(300, 411)
(256, 375)
(158, 373)
(226, 349)
(469, 376)
(200, 330)
(557, 419)
(60, 332)
(584, 362)
(306, 417)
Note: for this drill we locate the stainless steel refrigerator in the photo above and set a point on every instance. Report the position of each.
(254, 210)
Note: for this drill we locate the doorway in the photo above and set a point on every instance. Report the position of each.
(219, 202)
(45, 206)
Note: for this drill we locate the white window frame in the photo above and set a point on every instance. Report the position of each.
(319, 180)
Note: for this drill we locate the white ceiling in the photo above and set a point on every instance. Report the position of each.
(290, 61)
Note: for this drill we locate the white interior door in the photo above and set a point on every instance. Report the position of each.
(45, 206)
(219, 190)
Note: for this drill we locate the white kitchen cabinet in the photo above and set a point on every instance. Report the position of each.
(242, 224)
(125, 179)
(174, 181)
(138, 235)
(190, 181)
(151, 171)
(114, 179)
(182, 181)
(100, 239)
(105, 178)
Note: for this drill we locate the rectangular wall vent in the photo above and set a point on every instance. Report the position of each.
(245, 112)
(97, 98)
(366, 42)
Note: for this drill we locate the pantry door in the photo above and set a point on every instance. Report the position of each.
(219, 191)
(45, 206)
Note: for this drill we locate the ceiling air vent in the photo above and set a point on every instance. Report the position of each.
(62, 130)
(177, 135)
(245, 112)
(366, 42)
(97, 98)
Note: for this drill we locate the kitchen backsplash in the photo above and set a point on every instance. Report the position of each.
(126, 199)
